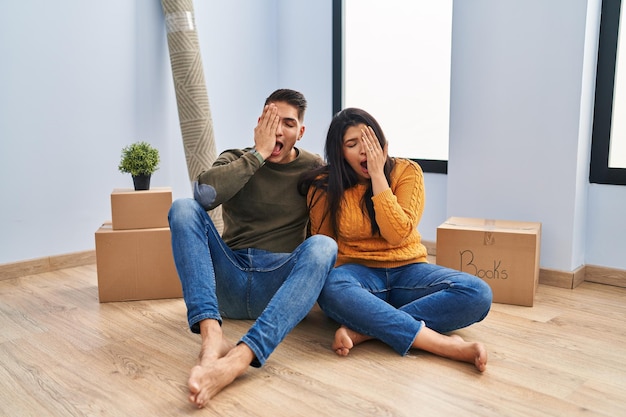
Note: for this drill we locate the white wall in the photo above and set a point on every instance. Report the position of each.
(67, 106)
(523, 78)
(305, 62)
(606, 226)
(78, 82)
(516, 104)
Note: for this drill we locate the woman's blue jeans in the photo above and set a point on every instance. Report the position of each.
(276, 289)
(393, 304)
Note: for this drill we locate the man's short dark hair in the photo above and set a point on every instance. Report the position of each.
(291, 97)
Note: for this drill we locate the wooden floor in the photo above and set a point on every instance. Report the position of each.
(64, 354)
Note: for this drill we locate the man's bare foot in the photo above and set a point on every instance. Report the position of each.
(209, 377)
(453, 347)
(214, 344)
(346, 339)
(226, 347)
(207, 374)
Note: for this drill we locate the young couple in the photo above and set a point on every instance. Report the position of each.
(363, 263)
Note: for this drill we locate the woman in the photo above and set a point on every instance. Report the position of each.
(382, 286)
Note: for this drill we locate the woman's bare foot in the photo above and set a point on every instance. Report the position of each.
(453, 347)
(346, 339)
(209, 377)
(472, 352)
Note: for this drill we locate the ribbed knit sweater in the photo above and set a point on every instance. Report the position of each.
(398, 211)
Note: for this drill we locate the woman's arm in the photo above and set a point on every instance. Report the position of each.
(399, 208)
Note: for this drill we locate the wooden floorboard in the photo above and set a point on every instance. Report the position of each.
(65, 354)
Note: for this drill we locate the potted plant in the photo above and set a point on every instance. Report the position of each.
(140, 160)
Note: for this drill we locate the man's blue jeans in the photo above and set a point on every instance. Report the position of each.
(393, 304)
(276, 289)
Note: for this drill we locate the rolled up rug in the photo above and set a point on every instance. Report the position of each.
(192, 99)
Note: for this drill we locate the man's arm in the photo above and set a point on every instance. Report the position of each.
(232, 170)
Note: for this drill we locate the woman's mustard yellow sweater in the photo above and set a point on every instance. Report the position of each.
(398, 211)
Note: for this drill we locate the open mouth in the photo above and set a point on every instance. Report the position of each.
(277, 148)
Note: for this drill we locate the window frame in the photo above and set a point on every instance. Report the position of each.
(428, 165)
(599, 170)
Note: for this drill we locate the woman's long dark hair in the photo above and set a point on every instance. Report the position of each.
(337, 176)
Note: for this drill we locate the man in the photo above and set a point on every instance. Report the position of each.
(261, 267)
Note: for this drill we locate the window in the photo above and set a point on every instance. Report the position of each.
(393, 59)
(608, 148)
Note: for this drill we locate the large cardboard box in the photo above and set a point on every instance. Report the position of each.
(135, 264)
(147, 209)
(503, 253)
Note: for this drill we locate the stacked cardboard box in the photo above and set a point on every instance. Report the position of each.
(134, 251)
(503, 253)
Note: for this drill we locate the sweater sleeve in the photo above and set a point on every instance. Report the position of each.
(399, 208)
(319, 219)
(230, 172)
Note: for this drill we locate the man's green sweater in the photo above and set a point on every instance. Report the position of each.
(261, 205)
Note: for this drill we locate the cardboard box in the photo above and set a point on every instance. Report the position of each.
(135, 264)
(132, 209)
(503, 253)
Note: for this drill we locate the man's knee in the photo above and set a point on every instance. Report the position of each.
(181, 210)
